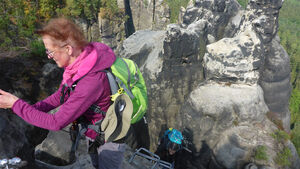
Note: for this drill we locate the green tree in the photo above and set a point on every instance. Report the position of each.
(48, 8)
(174, 6)
(243, 3)
(294, 106)
(19, 18)
(295, 136)
(110, 10)
(85, 9)
(289, 33)
(17, 22)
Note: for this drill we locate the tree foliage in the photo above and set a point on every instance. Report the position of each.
(289, 33)
(85, 9)
(17, 22)
(109, 10)
(20, 18)
(243, 3)
(47, 9)
(175, 6)
(295, 136)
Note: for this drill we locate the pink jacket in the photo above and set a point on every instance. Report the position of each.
(91, 89)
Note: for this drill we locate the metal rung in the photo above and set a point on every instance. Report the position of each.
(166, 164)
(152, 157)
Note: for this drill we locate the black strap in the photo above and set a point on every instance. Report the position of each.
(97, 109)
(68, 90)
(99, 141)
(63, 93)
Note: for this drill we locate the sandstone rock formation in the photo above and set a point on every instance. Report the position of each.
(218, 76)
(245, 79)
(150, 14)
(172, 60)
(140, 15)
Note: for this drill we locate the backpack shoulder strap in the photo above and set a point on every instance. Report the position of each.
(68, 90)
(128, 91)
(116, 83)
(112, 82)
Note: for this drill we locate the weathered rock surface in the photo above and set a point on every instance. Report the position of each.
(90, 30)
(232, 103)
(53, 153)
(17, 138)
(55, 149)
(171, 71)
(245, 59)
(216, 76)
(235, 60)
(51, 78)
(171, 60)
(150, 14)
(262, 17)
(229, 118)
(111, 32)
(146, 14)
(223, 17)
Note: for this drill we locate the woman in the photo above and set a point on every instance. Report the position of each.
(83, 61)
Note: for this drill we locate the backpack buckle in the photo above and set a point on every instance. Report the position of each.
(120, 91)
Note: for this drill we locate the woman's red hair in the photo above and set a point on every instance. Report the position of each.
(64, 30)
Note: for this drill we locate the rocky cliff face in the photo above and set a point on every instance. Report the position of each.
(150, 14)
(220, 76)
(172, 60)
(140, 15)
(225, 97)
(23, 77)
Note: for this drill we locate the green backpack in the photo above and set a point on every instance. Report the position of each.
(125, 76)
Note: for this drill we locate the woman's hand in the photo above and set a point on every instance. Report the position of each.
(7, 100)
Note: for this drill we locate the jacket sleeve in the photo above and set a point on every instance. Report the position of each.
(88, 91)
(50, 102)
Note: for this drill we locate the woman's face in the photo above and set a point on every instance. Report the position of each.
(57, 51)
